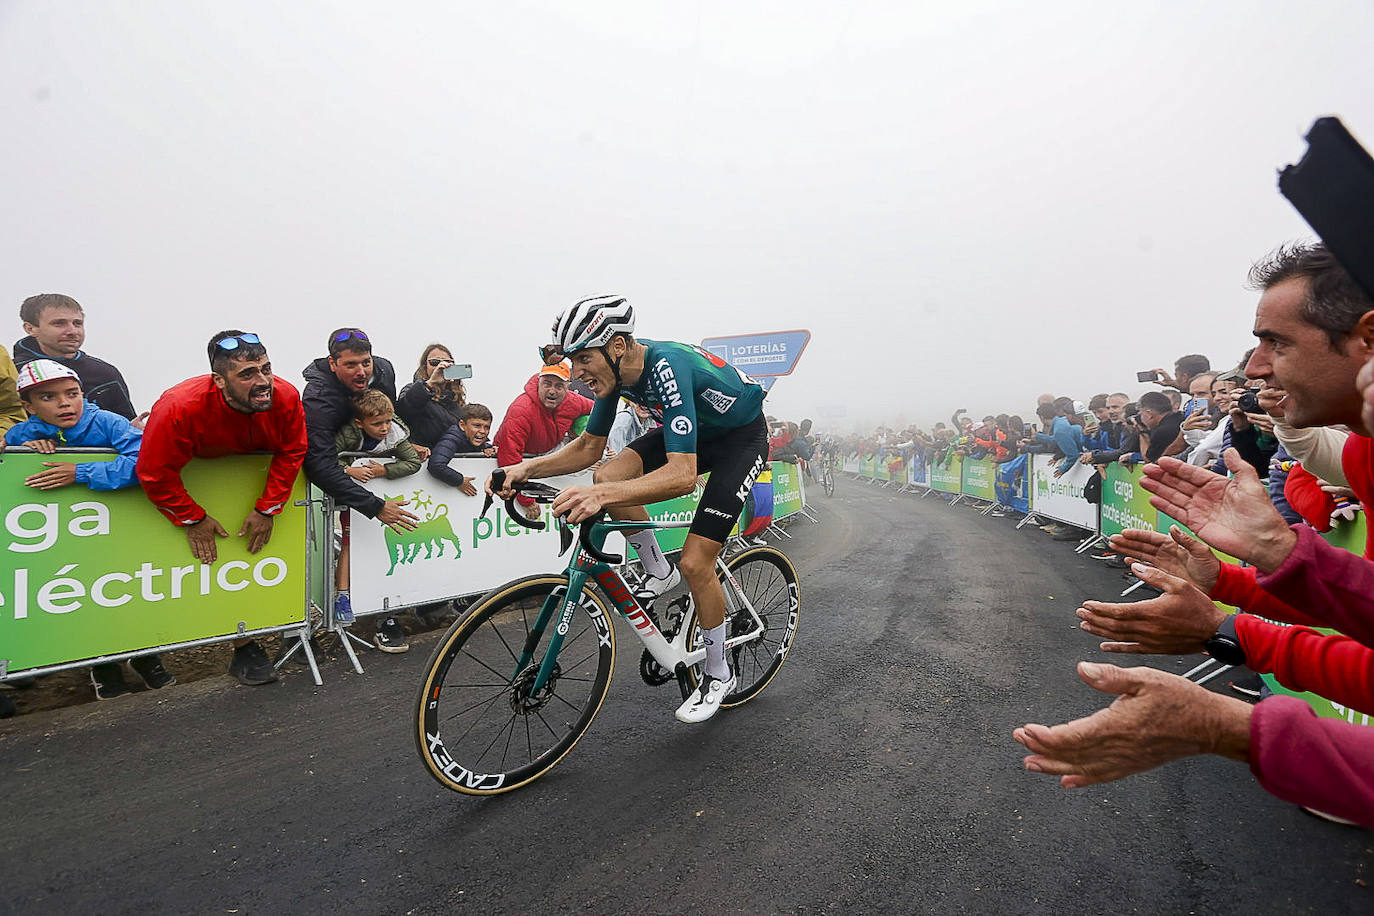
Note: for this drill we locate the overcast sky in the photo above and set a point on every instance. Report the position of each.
(967, 204)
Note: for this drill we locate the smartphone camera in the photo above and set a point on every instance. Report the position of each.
(1147, 375)
(458, 372)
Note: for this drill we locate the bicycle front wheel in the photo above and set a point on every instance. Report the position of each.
(828, 482)
(480, 726)
(765, 578)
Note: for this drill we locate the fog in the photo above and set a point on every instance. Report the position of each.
(966, 205)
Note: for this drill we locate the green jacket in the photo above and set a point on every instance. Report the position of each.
(407, 460)
(11, 408)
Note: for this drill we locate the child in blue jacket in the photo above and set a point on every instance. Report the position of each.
(60, 416)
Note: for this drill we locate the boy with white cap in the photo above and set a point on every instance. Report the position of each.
(61, 417)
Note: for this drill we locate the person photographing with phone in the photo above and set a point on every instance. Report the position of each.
(433, 401)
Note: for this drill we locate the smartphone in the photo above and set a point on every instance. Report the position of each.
(1333, 188)
(458, 371)
(1147, 375)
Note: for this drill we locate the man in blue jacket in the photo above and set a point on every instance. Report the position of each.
(61, 417)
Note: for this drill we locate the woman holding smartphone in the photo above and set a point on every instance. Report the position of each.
(431, 403)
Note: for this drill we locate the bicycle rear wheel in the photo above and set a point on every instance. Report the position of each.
(766, 578)
(479, 727)
(828, 481)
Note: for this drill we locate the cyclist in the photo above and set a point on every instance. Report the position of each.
(712, 420)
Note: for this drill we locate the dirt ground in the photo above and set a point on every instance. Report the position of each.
(72, 688)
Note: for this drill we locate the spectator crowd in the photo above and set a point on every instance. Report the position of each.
(348, 425)
(1257, 459)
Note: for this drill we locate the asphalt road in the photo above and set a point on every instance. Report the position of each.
(876, 774)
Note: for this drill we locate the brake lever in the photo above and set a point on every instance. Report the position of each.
(498, 480)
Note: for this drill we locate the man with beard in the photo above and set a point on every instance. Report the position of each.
(240, 407)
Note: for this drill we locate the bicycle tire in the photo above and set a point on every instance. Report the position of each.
(770, 582)
(473, 708)
(828, 482)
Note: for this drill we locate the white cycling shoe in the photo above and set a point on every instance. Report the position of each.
(706, 699)
(651, 588)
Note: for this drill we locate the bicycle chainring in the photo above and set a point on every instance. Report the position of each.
(654, 674)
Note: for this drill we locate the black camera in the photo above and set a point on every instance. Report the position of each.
(1249, 403)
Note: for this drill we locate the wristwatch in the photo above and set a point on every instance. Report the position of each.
(1224, 645)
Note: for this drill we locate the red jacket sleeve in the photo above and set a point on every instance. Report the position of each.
(1335, 584)
(167, 447)
(1307, 498)
(1236, 586)
(288, 455)
(1325, 764)
(1333, 666)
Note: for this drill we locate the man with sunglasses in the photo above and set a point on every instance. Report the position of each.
(239, 408)
(712, 420)
(331, 383)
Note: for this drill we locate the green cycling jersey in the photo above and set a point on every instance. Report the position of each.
(691, 392)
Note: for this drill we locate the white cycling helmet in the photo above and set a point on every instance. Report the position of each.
(592, 323)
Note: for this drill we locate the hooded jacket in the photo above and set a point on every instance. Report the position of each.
(529, 428)
(192, 420)
(100, 381)
(328, 407)
(96, 429)
(396, 445)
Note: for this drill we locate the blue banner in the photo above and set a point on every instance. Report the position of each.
(760, 355)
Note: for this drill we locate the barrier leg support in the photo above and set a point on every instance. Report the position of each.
(1090, 543)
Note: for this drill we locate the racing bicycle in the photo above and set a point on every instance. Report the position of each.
(828, 475)
(517, 680)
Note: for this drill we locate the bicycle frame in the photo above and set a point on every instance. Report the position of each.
(672, 656)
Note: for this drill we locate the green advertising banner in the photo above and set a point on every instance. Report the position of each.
(866, 466)
(1125, 504)
(787, 490)
(948, 477)
(90, 573)
(880, 469)
(978, 480)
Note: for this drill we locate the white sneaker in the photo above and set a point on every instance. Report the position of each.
(651, 588)
(705, 701)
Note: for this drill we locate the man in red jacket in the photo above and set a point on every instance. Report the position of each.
(240, 407)
(538, 420)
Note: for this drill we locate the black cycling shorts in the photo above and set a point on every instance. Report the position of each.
(734, 459)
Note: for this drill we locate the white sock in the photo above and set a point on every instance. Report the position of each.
(650, 554)
(714, 641)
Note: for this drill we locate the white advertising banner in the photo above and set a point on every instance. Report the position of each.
(1061, 498)
(453, 552)
(851, 464)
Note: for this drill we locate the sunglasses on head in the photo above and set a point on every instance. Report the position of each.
(232, 343)
(341, 336)
(552, 354)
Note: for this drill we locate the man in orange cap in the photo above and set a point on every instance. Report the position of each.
(539, 419)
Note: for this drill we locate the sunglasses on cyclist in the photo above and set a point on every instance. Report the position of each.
(552, 354)
(232, 343)
(341, 336)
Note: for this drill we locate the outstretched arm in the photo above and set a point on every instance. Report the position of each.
(1156, 718)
